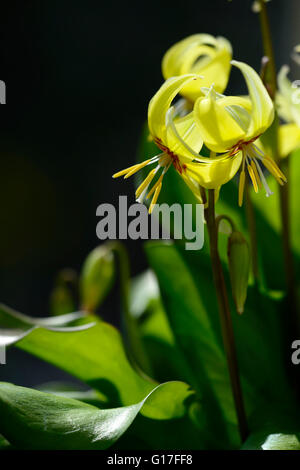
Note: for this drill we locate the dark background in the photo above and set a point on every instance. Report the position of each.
(79, 75)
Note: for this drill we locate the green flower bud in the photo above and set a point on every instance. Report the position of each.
(239, 268)
(62, 299)
(97, 277)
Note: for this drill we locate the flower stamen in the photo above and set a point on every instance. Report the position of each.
(256, 174)
(158, 182)
(242, 180)
(241, 187)
(263, 179)
(146, 182)
(274, 170)
(155, 197)
(131, 169)
(252, 155)
(253, 177)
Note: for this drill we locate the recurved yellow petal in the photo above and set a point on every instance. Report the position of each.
(240, 108)
(288, 97)
(289, 139)
(284, 84)
(218, 128)
(202, 54)
(183, 136)
(262, 114)
(216, 67)
(215, 171)
(180, 57)
(161, 101)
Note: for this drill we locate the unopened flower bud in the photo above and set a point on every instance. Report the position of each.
(62, 299)
(97, 277)
(239, 267)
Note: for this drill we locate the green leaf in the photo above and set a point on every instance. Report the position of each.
(276, 441)
(144, 290)
(269, 211)
(194, 331)
(294, 178)
(36, 420)
(260, 335)
(4, 444)
(157, 337)
(275, 428)
(15, 326)
(71, 390)
(96, 356)
(188, 295)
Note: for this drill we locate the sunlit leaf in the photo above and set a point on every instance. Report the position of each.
(37, 420)
(158, 339)
(15, 326)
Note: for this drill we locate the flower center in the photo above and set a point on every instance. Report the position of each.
(180, 167)
(252, 157)
(241, 145)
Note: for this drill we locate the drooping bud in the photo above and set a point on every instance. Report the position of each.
(62, 299)
(256, 6)
(97, 277)
(239, 268)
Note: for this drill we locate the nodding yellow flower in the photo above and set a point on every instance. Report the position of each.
(174, 136)
(231, 125)
(288, 107)
(288, 98)
(180, 142)
(289, 139)
(201, 54)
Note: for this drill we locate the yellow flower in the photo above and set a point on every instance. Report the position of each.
(201, 54)
(231, 125)
(289, 139)
(180, 142)
(288, 98)
(288, 106)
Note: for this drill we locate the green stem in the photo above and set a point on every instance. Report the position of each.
(271, 77)
(251, 222)
(136, 348)
(286, 240)
(225, 316)
(284, 164)
(284, 204)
